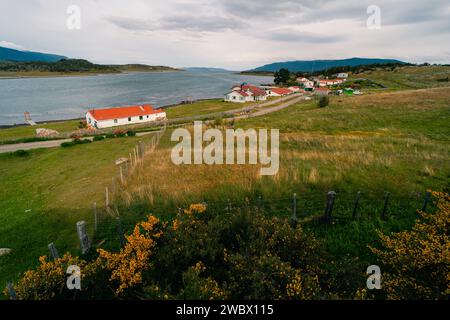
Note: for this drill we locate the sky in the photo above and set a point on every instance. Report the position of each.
(231, 34)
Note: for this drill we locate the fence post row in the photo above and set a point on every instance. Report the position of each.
(53, 251)
(355, 206)
(386, 205)
(85, 243)
(329, 207)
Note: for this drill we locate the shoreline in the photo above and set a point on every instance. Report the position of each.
(9, 126)
(70, 75)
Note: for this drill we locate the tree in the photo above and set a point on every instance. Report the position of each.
(282, 76)
(324, 101)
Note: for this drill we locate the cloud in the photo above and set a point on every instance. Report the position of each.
(11, 45)
(296, 35)
(189, 23)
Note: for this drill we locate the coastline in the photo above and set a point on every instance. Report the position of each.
(9, 126)
(76, 74)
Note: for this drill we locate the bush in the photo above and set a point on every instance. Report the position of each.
(131, 133)
(21, 153)
(99, 138)
(324, 101)
(67, 144)
(75, 142)
(416, 263)
(110, 136)
(120, 133)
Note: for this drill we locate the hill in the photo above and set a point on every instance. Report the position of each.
(70, 67)
(7, 54)
(319, 65)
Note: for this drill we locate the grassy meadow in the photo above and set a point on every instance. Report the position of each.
(45, 194)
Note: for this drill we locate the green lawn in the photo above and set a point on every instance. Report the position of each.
(204, 107)
(20, 132)
(45, 194)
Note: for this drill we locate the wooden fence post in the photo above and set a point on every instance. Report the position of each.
(329, 207)
(11, 292)
(386, 205)
(120, 232)
(85, 243)
(294, 207)
(94, 208)
(131, 161)
(425, 201)
(121, 174)
(106, 197)
(53, 251)
(355, 206)
(113, 182)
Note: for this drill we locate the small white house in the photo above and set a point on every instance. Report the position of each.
(113, 117)
(342, 75)
(237, 96)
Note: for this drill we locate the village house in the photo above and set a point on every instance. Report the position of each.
(328, 82)
(246, 93)
(279, 92)
(294, 88)
(341, 75)
(113, 117)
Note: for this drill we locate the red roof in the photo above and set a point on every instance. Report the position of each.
(281, 91)
(242, 93)
(122, 112)
(255, 90)
(322, 89)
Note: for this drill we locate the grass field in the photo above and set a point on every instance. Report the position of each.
(45, 194)
(409, 77)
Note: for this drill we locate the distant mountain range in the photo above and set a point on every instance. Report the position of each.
(320, 65)
(206, 69)
(7, 54)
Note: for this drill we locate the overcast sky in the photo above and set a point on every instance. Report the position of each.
(233, 34)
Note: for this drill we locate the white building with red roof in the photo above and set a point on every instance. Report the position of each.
(246, 93)
(113, 117)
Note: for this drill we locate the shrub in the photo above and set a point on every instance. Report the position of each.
(75, 142)
(324, 101)
(67, 144)
(48, 280)
(99, 138)
(110, 136)
(131, 133)
(120, 133)
(416, 263)
(21, 153)
(82, 124)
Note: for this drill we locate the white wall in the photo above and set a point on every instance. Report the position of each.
(124, 121)
(235, 97)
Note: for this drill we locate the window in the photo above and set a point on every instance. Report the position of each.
(141, 117)
(115, 120)
(129, 119)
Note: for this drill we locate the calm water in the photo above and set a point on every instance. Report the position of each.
(67, 98)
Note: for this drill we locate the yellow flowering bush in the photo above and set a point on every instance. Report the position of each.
(197, 287)
(48, 280)
(128, 265)
(416, 263)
